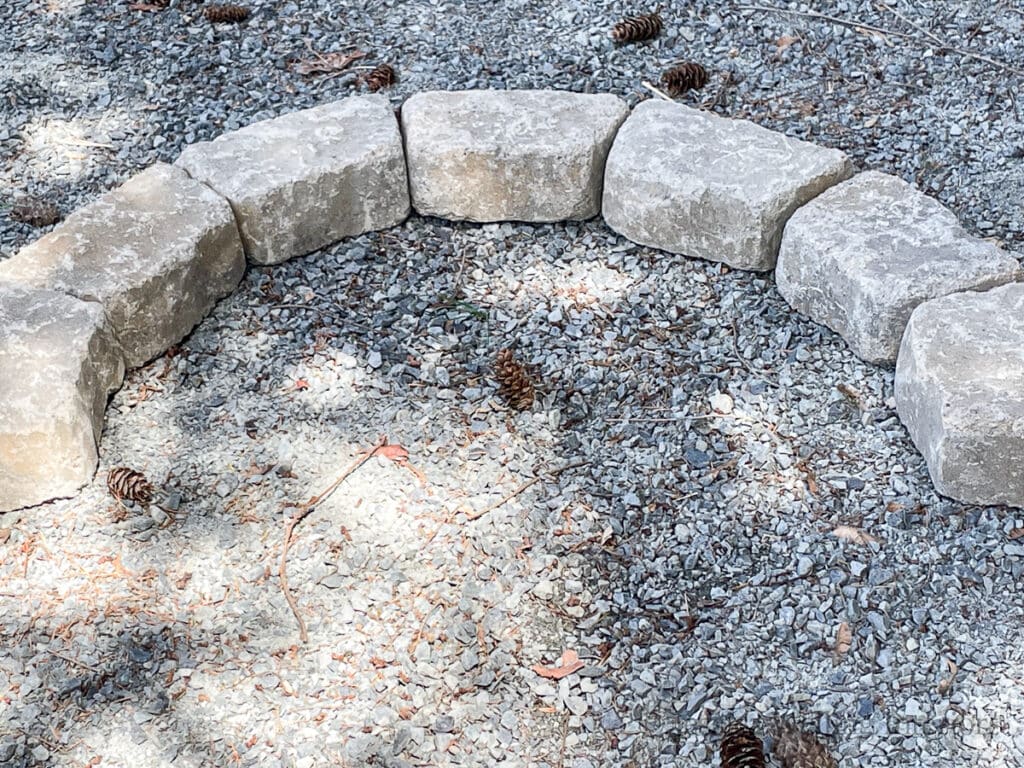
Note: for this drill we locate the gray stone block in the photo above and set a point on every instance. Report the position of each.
(58, 364)
(157, 253)
(960, 393)
(859, 258)
(690, 182)
(509, 155)
(307, 179)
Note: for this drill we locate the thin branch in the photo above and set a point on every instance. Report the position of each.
(551, 473)
(656, 91)
(861, 25)
(943, 44)
(299, 515)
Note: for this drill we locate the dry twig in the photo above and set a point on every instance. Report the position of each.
(300, 514)
(656, 91)
(550, 473)
(860, 25)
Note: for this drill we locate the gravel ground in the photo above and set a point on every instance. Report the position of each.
(739, 486)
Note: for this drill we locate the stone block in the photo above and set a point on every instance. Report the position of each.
(687, 181)
(509, 155)
(859, 258)
(58, 364)
(307, 179)
(960, 393)
(157, 253)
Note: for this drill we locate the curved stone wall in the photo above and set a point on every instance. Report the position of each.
(133, 272)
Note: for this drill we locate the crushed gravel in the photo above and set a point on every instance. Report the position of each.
(744, 491)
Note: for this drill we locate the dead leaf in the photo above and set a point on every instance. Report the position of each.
(844, 639)
(784, 42)
(851, 393)
(301, 384)
(947, 682)
(394, 451)
(329, 64)
(854, 535)
(1015, 534)
(568, 664)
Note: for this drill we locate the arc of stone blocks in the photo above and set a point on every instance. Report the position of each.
(133, 272)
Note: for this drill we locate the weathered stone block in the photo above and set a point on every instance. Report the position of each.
(960, 393)
(859, 258)
(509, 155)
(157, 253)
(687, 181)
(310, 178)
(58, 364)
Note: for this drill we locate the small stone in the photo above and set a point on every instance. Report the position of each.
(444, 724)
(721, 403)
(334, 581)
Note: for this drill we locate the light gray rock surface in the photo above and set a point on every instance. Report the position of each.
(509, 155)
(58, 363)
(689, 182)
(157, 253)
(307, 179)
(960, 393)
(863, 254)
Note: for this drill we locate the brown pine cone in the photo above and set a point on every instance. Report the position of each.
(226, 14)
(35, 212)
(796, 748)
(125, 483)
(685, 77)
(637, 28)
(381, 76)
(741, 748)
(515, 382)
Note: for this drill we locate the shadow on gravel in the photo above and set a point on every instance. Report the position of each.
(80, 673)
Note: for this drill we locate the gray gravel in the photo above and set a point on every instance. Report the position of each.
(694, 561)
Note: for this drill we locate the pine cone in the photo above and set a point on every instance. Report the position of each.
(382, 76)
(799, 749)
(226, 14)
(125, 483)
(35, 212)
(637, 28)
(741, 748)
(515, 383)
(685, 77)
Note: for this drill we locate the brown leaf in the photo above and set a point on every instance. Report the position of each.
(844, 639)
(301, 384)
(854, 535)
(1015, 534)
(784, 42)
(569, 663)
(327, 64)
(395, 452)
